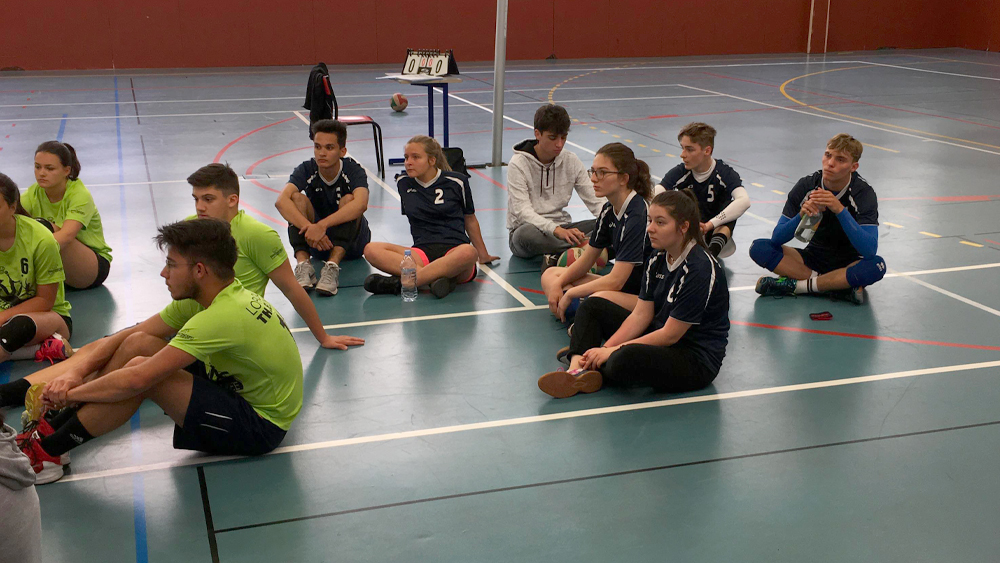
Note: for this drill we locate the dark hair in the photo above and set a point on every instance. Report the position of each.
(682, 206)
(625, 161)
(330, 126)
(701, 133)
(66, 154)
(208, 241)
(10, 194)
(219, 175)
(552, 119)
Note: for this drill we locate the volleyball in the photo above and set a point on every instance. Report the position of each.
(398, 102)
(567, 258)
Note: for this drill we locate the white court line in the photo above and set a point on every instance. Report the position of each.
(122, 103)
(371, 176)
(430, 317)
(504, 423)
(665, 67)
(947, 293)
(142, 116)
(509, 288)
(832, 118)
(111, 184)
(979, 77)
(759, 218)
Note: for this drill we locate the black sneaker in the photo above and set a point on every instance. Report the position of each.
(443, 286)
(767, 285)
(549, 260)
(383, 285)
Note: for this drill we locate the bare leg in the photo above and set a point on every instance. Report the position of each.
(386, 256)
(137, 344)
(459, 263)
(620, 298)
(305, 207)
(833, 281)
(80, 264)
(792, 266)
(46, 324)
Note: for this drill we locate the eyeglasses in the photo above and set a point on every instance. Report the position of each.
(600, 173)
(171, 265)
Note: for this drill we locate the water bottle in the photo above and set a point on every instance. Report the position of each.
(408, 277)
(807, 226)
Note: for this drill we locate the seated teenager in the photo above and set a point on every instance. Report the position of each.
(226, 392)
(674, 340)
(62, 203)
(324, 203)
(216, 192)
(624, 180)
(841, 256)
(34, 313)
(447, 240)
(541, 179)
(722, 199)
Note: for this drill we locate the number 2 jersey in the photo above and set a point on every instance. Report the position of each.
(437, 210)
(714, 194)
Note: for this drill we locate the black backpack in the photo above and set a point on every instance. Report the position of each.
(456, 159)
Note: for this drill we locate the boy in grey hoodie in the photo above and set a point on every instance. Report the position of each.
(540, 182)
(20, 518)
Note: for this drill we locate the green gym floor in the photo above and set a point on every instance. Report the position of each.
(871, 437)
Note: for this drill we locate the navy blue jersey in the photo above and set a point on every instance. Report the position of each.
(325, 195)
(830, 238)
(437, 212)
(694, 291)
(714, 194)
(625, 232)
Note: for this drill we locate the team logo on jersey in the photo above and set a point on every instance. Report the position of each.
(224, 379)
(14, 292)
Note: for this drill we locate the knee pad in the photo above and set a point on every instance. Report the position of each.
(766, 254)
(47, 224)
(866, 272)
(17, 332)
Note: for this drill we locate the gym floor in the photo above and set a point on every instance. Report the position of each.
(874, 436)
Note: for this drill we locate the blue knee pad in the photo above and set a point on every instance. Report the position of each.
(17, 332)
(766, 253)
(866, 272)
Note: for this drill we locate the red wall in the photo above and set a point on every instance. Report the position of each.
(193, 33)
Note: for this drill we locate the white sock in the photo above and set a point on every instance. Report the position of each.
(25, 352)
(805, 286)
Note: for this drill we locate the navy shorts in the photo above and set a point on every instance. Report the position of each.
(219, 421)
(823, 261)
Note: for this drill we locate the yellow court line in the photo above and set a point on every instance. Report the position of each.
(893, 225)
(977, 245)
(757, 185)
(878, 147)
(616, 136)
(670, 155)
(778, 192)
(657, 150)
(642, 145)
(603, 131)
(594, 128)
(930, 234)
(801, 103)
(628, 140)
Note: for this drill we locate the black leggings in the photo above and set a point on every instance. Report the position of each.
(669, 369)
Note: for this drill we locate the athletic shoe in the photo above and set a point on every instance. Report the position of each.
(383, 285)
(562, 384)
(54, 349)
(569, 330)
(549, 260)
(728, 250)
(854, 295)
(48, 469)
(767, 285)
(443, 286)
(43, 429)
(329, 279)
(305, 274)
(562, 356)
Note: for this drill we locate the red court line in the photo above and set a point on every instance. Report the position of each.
(245, 135)
(993, 241)
(253, 209)
(529, 290)
(869, 336)
(494, 182)
(671, 116)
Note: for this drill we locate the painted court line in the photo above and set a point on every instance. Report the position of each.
(947, 293)
(906, 274)
(504, 423)
(507, 287)
(531, 307)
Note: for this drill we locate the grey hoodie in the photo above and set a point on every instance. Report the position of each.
(20, 520)
(538, 193)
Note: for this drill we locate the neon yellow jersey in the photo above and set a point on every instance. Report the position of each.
(261, 251)
(32, 261)
(246, 347)
(78, 205)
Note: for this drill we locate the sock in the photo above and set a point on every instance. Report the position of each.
(64, 416)
(806, 286)
(717, 243)
(69, 436)
(25, 352)
(12, 394)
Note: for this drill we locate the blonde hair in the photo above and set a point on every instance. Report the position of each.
(433, 150)
(846, 143)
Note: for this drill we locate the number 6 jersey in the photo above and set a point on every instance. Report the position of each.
(437, 210)
(32, 261)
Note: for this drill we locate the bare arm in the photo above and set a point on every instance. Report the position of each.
(613, 281)
(42, 302)
(67, 233)
(286, 207)
(476, 236)
(349, 211)
(128, 382)
(284, 279)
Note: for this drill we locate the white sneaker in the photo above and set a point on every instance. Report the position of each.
(329, 279)
(305, 274)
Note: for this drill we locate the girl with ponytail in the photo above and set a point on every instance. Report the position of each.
(675, 338)
(624, 180)
(60, 201)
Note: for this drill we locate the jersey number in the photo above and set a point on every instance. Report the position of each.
(439, 199)
(24, 266)
(711, 193)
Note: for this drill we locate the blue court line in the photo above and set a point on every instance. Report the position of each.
(4, 372)
(62, 128)
(138, 486)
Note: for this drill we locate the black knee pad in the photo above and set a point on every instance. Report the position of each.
(17, 332)
(47, 224)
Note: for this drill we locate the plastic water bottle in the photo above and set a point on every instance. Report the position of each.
(408, 277)
(807, 226)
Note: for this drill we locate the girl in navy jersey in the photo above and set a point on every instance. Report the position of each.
(447, 240)
(625, 182)
(675, 338)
